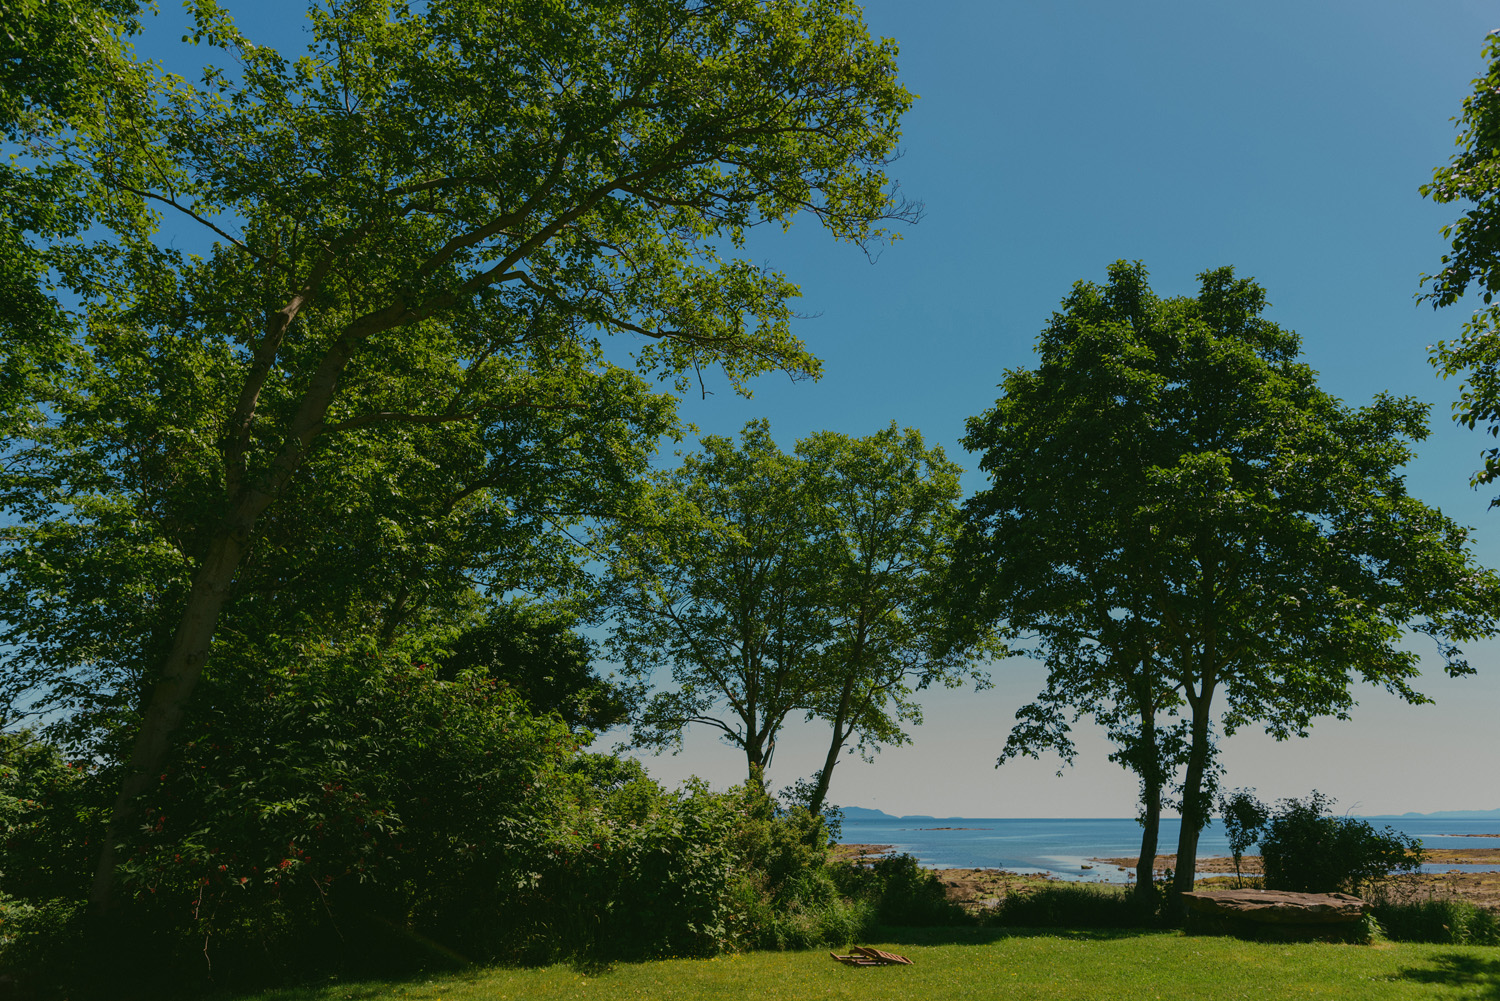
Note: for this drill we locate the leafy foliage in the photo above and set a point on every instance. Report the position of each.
(1176, 511)
(1244, 818)
(385, 381)
(1304, 850)
(1473, 261)
(538, 652)
(353, 809)
(777, 584)
(902, 893)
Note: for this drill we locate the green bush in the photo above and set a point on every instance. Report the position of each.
(363, 813)
(1443, 921)
(48, 810)
(1074, 905)
(1303, 849)
(901, 892)
(339, 811)
(597, 888)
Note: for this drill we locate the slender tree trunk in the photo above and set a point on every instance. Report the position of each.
(755, 762)
(1194, 811)
(835, 745)
(1145, 867)
(1150, 769)
(1151, 783)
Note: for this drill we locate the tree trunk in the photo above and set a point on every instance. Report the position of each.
(835, 745)
(172, 691)
(211, 587)
(1152, 774)
(1145, 867)
(1194, 811)
(1151, 783)
(755, 763)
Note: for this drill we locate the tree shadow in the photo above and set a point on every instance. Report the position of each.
(1456, 969)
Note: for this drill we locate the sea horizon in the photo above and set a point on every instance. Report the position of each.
(1068, 848)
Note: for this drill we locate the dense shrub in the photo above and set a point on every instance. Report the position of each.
(1443, 921)
(341, 809)
(365, 813)
(1306, 850)
(902, 893)
(43, 799)
(1074, 905)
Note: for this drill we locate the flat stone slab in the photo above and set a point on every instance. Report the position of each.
(1280, 907)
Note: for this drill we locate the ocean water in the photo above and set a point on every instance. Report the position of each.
(1064, 847)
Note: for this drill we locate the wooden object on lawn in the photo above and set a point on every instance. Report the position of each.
(861, 955)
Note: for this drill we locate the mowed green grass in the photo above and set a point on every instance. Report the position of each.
(989, 965)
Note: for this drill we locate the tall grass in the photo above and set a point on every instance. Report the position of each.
(1444, 921)
(1074, 906)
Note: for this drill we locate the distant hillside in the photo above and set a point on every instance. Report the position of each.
(864, 813)
(861, 813)
(1457, 815)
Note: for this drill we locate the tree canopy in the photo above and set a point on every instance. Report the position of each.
(775, 585)
(1176, 511)
(385, 382)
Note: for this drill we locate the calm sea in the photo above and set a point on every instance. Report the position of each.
(1064, 847)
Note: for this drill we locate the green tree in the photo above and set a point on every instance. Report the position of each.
(888, 518)
(774, 584)
(1473, 260)
(538, 652)
(423, 231)
(1173, 495)
(714, 580)
(1244, 819)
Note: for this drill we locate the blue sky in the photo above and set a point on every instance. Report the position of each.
(1287, 139)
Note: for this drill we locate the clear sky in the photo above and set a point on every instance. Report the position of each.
(1287, 139)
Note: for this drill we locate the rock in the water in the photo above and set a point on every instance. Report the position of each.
(1279, 906)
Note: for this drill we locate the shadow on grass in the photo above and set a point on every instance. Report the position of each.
(995, 933)
(354, 987)
(1455, 969)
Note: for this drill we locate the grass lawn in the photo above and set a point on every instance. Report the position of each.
(989, 964)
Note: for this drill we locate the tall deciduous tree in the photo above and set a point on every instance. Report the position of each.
(888, 517)
(422, 231)
(777, 584)
(1185, 520)
(714, 581)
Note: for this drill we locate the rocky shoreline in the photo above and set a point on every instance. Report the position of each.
(987, 887)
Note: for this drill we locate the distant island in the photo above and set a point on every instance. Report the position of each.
(861, 813)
